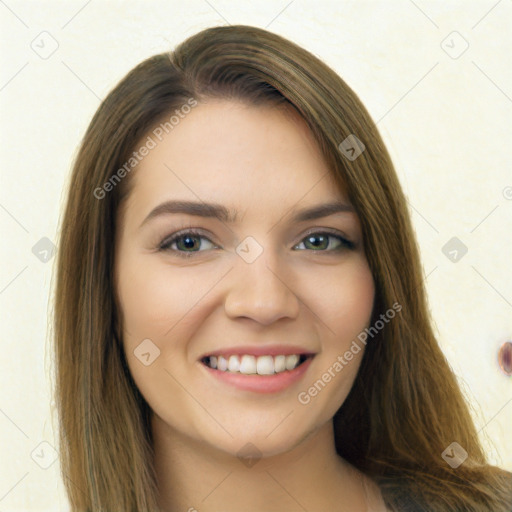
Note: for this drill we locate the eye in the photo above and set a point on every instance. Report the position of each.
(186, 243)
(322, 241)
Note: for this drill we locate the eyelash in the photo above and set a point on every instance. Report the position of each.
(164, 246)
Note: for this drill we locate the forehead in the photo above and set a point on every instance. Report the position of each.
(246, 157)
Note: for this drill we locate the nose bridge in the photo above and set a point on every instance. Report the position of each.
(258, 288)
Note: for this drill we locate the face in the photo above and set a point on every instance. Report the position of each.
(261, 284)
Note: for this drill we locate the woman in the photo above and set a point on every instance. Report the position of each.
(240, 316)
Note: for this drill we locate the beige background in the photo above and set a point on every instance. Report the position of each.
(445, 116)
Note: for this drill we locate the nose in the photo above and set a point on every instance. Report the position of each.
(261, 291)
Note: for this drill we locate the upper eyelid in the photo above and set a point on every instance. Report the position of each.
(329, 231)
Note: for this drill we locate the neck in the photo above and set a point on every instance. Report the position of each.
(194, 476)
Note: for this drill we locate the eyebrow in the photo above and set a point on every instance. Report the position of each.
(220, 212)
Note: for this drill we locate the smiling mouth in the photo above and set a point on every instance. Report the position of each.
(255, 365)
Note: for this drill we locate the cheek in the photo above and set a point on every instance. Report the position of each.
(343, 300)
(157, 300)
(162, 309)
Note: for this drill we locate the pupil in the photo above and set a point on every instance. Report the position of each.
(320, 240)
(188, 242)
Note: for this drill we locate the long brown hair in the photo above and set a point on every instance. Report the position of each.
(405, 407)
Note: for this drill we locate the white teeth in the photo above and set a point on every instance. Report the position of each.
(250, 365)
(291, 361)
(222, 363)
(265, 365)
(234, 364)
(279, 364)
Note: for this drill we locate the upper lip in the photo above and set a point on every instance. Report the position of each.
(260, 350)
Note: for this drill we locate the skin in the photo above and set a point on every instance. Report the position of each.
(263, 163)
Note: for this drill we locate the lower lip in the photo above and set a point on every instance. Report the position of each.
(262, 383)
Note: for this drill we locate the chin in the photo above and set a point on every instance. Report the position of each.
(250, 449)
